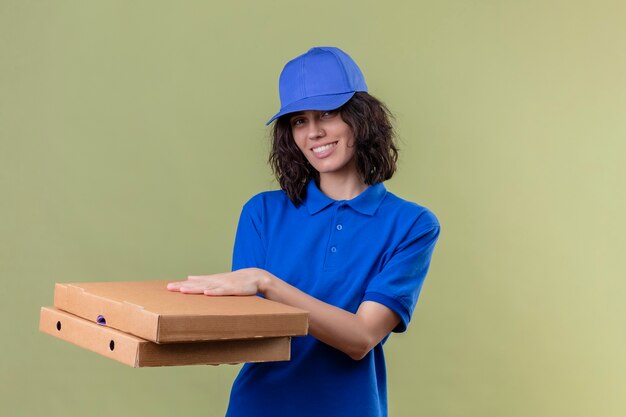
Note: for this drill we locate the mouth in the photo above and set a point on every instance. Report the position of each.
(318, 150)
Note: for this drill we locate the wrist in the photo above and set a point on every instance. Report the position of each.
(264, 283)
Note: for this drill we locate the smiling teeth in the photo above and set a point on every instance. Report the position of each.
(324, 148)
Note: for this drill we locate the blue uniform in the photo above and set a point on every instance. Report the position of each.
(375, 247)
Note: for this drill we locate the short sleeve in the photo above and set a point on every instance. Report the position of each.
(399, 283)
(249, 250)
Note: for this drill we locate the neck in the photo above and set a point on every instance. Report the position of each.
(341, 187)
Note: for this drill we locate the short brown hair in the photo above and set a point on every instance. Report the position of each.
(376, 151)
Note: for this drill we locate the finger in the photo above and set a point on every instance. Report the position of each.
(177, 283)
(204, 277)
(208, 283)
(229, 290)
(197, 277)
(216, 291)
(174, 286)
(188, 289)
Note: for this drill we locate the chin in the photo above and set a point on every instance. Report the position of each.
(326, 168)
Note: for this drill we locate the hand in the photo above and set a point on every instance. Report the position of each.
(241, 282)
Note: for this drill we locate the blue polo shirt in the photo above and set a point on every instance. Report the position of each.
(375, 247)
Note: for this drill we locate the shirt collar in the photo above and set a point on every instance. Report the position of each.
(367, 202)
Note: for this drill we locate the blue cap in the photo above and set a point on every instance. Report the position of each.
(324, 78)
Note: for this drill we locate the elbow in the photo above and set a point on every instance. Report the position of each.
(359, 350)
(357, 356)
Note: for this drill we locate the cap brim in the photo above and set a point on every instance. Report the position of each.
(327, 102)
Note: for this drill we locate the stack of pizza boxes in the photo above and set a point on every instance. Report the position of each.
(143, 324)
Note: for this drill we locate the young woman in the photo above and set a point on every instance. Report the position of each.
(333, 241)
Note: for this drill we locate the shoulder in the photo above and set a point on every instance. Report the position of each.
(414, 215)
(273, 197)
(267, 202)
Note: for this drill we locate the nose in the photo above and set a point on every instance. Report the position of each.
(315, 130)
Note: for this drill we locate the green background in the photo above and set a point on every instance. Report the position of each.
(131, 133)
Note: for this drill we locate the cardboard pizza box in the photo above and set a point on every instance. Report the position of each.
(137, 352)
(148, 310)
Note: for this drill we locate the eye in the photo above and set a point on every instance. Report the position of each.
(328, 114)
(297, 121)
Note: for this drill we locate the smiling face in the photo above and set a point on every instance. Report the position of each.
(326, 141)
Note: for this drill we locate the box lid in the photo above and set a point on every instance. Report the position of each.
(148, 310)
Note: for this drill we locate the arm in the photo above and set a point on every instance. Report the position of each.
(353, 334)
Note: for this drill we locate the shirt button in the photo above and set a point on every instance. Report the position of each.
(339, 227)
(333, 249)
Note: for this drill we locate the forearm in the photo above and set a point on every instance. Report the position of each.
(353, 334)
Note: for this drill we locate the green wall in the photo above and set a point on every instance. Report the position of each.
(131, 132)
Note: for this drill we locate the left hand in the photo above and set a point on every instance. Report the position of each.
(241, 282)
